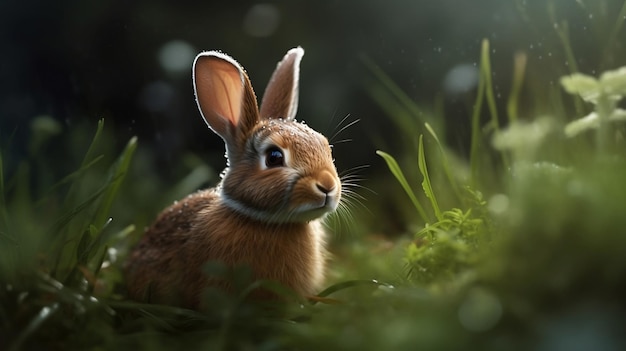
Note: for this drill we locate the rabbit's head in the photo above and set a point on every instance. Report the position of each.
(279, 170)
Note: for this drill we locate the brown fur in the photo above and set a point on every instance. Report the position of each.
(265, 218)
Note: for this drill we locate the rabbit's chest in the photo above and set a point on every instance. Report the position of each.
(292, 254)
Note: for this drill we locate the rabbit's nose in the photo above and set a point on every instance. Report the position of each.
(326, 182)
(324, 189)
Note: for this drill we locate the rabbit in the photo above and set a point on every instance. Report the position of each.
(266, 213)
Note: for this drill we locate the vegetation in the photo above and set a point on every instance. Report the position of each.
(519, 247)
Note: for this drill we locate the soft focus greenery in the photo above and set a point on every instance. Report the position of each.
(517, 244)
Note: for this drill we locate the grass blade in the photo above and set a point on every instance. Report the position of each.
(117, 175)
(397, 172)
(485, 67)
(389, 85)
(519, 68)
(426, 185)
(43, 315)
(445, 162)
(476, 138)
(70, 178)
(350, 284)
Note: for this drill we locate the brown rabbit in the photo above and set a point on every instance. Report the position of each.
(265, 213)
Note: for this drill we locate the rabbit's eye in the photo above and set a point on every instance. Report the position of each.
(274, 157)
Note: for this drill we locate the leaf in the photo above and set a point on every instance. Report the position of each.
(116, 176)
(34, 324)
(614, 82)
(591, 121)
(349, 284)
(582, 124)
(444, 161)
(426, 185)
(397, 172)
(71, 177)
(586, 86)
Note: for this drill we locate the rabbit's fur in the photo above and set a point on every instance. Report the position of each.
(265, 213)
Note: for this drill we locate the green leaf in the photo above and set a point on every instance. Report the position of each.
(591, 121)
(397, 172)
(117, 174)
(44, 314)
(614, 82)
(402, 109)
(426, 185)
(350, 284)
(586, 86)
(582, 124)
(71, 177)
(445, 162)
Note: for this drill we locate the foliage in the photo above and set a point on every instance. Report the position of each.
(56, 247)
(519, 247)
(604, 93)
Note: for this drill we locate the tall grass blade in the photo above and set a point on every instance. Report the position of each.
(476, 138)
(426, 185)
(519, 68)
(485, 68)
(86, 160)
(71, 177)
(562, 31)
(397, 172)
(117, 174)
(445, 162)
(388, 83)
(611, 40)
(65, 247)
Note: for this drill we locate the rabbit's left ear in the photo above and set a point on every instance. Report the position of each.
(280, 99)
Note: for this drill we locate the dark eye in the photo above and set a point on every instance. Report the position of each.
(274, 157)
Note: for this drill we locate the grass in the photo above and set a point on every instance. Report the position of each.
(520, 247)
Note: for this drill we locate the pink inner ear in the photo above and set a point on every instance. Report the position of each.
(219, 91)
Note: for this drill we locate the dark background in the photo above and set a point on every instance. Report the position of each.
(79, 61)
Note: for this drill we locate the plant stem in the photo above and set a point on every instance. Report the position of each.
(604, 109)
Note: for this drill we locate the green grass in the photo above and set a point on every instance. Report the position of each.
(521, 246)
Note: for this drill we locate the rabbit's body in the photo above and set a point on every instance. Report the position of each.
(175, 248)
(266, 212)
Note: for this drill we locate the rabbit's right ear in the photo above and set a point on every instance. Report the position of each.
(224, 95)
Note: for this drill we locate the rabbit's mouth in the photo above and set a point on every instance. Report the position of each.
(312, 210)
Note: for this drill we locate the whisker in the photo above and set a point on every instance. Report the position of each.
(331, 122)
(342, 141)
(353, 170)
(359, 186)
(344, 127)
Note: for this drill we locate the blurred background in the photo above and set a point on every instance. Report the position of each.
(129, 62)
(530, 258)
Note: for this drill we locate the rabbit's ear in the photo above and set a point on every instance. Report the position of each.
(224, 95)
(280, 99)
